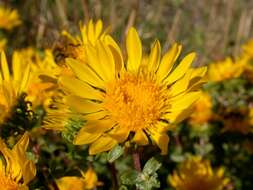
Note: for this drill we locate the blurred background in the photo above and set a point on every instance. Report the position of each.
(212, 28)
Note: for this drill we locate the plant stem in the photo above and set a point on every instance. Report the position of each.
(136, 159)
(114, 176)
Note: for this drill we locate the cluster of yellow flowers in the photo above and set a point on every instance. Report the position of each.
(219, 72)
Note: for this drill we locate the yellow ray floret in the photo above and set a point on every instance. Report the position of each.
(9, 18)
(142, 97)
(196, 173)
(16, 170)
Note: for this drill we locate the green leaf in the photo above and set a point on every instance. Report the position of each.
(115, 153)
(145, 182)
(129, 177)
(151, 166)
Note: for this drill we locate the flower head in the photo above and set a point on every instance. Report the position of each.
(196, 173)
(11, 85)
(226, 69)
(138, 98)
(16, 169)
(9, 18)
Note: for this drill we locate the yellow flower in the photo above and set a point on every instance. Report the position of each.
(202, 110)
(117, 100)
(16, 169)
(9, 18)
(196, 173)
(11, 85)
(90, 34)
(226, 69)
(42, 84)
(88, 180)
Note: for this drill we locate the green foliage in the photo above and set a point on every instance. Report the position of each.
(145, 180)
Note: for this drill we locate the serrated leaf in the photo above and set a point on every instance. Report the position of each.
(115, 153)
(151, 166)
(146, 182)
(129, 177)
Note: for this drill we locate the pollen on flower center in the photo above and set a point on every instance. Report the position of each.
(134, 102)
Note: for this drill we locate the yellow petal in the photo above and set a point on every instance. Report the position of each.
(155, 55)
(107, 61)
(116, 52)
(162, 141)
(180, 86)
(119, 133)
(16, 65)
(167, 62)
(140, 138)
(177, 115)
(82, 105)
(23, 142)
(29, 171)
(98, 126)
(85, 138)
(102, 144)
(98, 28)
(181, 69)
(25, 79)
(4, 67)
(84, 73)
(91, 32)
(69, 182)
(134, 50)
(184, 101)
(95, 116)
(90, 179)
(80, 88)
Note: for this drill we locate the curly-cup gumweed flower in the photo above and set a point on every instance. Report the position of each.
(197, 173)
(117, 98)
(12, 84)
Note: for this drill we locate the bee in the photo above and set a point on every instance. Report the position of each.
(63, 49)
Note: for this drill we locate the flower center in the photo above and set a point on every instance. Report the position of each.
(6, 183)
(134, 101)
